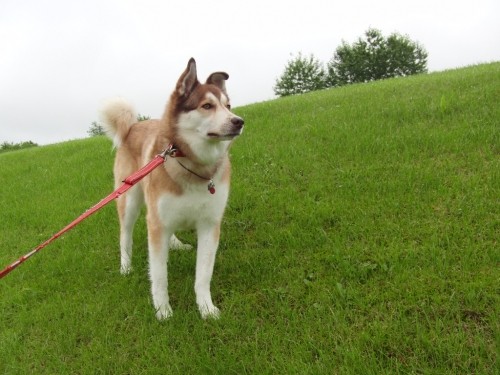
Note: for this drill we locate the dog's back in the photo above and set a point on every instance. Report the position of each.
(130, 137)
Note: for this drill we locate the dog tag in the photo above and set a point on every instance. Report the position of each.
(211, 187)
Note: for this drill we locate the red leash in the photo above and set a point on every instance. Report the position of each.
(127, 184)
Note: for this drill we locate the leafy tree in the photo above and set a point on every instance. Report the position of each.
(97, 129)
(302, 74)
(376, 57)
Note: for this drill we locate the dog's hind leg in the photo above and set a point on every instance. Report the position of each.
(129, 207)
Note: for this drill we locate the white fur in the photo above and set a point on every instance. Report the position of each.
(135, 200)
(176, 199)
(196, 209)
(120, 112)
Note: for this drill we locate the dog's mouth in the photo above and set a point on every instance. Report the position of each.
(232, 130)
(223, 137)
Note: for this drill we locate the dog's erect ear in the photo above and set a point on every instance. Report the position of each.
(218, 79)
(188, 80)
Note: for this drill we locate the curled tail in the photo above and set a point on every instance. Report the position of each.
(118, 116)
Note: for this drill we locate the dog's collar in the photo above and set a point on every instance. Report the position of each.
(175, 152)
(211, 185)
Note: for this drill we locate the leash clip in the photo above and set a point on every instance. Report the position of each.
(169, 151)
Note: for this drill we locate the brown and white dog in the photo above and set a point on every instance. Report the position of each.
(189, 191)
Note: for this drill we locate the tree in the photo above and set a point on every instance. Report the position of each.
(376, 57)
(9, 146)
(302, 74)
(97, 129)
(143, 117)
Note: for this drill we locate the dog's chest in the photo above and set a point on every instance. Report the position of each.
(188, 210)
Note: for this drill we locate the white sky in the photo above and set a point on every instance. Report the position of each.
(59, 59)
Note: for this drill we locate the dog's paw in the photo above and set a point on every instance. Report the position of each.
(164, 312)
(125, 269)
(175, 244)
(209, 312)
(184, 246)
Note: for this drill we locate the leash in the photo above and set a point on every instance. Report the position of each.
(127, 184)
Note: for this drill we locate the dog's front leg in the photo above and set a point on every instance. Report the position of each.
(208, 241)
(158, 239)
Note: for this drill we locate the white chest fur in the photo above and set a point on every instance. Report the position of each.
(194, 207)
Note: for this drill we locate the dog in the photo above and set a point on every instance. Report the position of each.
(191, 188)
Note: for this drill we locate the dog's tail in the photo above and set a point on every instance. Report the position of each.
(118, 116)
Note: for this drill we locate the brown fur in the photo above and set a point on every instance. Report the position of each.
(198, 122)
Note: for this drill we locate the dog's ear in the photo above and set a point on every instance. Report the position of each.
(218, 79)
(188, 80)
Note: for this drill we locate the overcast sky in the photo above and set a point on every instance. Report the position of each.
(59, 59)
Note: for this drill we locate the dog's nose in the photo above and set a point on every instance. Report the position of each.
(237, 122)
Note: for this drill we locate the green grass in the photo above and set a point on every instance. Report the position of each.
(361, 237)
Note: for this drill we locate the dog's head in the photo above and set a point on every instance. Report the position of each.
(203, 111)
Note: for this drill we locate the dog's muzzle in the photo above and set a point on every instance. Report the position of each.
(237, 125)
(231, 130)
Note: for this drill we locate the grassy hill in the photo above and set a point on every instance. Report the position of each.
(361, 237)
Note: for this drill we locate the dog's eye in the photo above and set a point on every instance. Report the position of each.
(206, 106)
(228, 106)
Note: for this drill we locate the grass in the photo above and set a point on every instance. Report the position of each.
(361, 237)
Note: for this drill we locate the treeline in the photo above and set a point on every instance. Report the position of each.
(9, 146)
(371, 57)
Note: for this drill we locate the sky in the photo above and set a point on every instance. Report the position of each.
(61, 59)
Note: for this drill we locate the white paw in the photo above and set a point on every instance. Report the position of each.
(209, 312)
(125, 269)
(164, 312)
(175, 244)
(184, 246)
